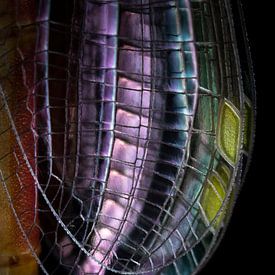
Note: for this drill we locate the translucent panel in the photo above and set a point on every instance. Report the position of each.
(124, 130)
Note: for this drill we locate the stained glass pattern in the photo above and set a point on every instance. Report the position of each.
(125, 129)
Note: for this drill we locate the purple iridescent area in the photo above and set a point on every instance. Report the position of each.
(121, 123)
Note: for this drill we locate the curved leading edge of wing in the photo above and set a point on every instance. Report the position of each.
(225, 125)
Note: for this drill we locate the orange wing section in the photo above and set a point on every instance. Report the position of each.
(18, 194)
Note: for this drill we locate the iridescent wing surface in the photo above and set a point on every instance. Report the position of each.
(125, 131)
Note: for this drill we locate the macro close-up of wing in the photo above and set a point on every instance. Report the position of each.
(126, 127)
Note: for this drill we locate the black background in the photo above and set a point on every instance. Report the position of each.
(247, 242)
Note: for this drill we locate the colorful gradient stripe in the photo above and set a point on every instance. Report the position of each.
(18, 195)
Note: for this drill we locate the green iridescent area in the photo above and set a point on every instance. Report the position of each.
(222, 137)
